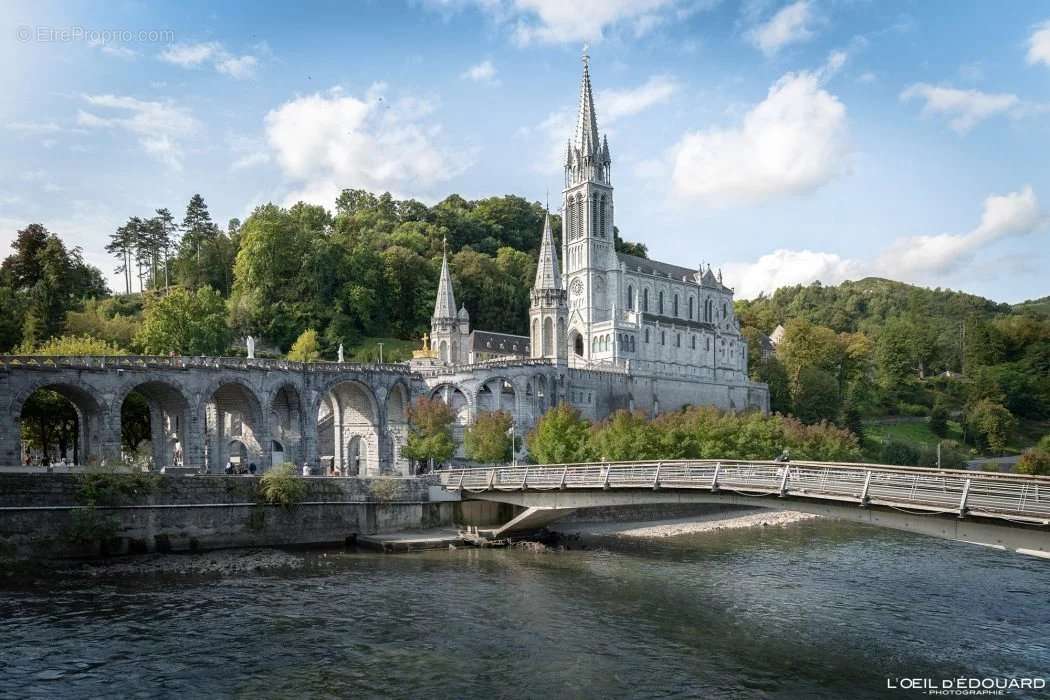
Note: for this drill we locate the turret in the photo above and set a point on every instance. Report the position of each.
(548, 313)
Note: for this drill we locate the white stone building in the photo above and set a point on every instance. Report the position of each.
(670, 331)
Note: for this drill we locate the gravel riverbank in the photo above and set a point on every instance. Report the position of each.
(758, 517)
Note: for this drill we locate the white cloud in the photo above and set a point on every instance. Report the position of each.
(325, 142)
(791, 25)
(794, 141)
(34, 127)
(921, 259)
(966, 108)
(615, 104)
(483, 72)
(1039, 45)
(158, 125)
(213, 53)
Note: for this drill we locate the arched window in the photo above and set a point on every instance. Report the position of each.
(603, 229)
(647, 335)
(694, 342)
(690, 308)
(645, 302)
(676, 306)
(594, 216)
(678, 340)
(660, 304)
(630, 297)
(708, 343)
(570, 219)
(663, 337)
(594, 345)
(725, 311)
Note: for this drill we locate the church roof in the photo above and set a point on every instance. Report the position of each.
(499, 343)
(548, 275)
(445, 306)
(676, 272)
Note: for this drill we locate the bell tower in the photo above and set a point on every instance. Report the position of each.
(548, 314)
(588, 248)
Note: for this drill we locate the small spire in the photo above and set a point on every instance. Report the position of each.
(548, 275)
(445, 304)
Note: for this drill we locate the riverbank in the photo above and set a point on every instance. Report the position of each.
(712, 522)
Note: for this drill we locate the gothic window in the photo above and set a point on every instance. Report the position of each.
(647, 335)
(690, 308)
(694, 342)
(645, 302)
(603, 229)
(630, 297)
(594, 216)
(676, 306)
(707, 344)
(548, 337)
(663, 337)
(725, 311)
(660, 304)
(678, 340)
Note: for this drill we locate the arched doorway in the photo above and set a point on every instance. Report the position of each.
(233, 418)
(347, 411)
(153, 421)
(60, 421)
(286, 426)
(397, 402)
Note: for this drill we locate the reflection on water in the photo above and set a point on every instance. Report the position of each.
(819, 609)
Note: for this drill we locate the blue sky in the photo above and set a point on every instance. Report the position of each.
(781, 141)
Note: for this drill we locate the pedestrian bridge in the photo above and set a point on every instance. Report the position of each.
(1005, 511)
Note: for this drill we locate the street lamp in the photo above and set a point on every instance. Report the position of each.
(380, 352)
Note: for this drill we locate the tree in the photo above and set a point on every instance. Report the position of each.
(560, 436)
(939, 419)
(185, 323)
(991, 423)
(624, 436)
(488, 441)
(70, 346)
(816, 396)
(429, 431)
(49, 421)
(305, 349)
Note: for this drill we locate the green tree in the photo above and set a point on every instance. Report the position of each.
(992, 423)
(624, 436)
(185, 323)
(70, 346)
(429, 431)
(305, 349)
(560, 436)
(939, 419)
(488, 441)
(49, 425)
(816, 396)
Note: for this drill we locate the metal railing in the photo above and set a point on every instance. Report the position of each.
(1023, 499)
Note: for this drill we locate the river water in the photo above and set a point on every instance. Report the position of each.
(817, 609)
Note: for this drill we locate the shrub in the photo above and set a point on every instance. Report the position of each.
(282, 486)
(385, 488)
(939, 420)
(1035, 461)
(898, 453)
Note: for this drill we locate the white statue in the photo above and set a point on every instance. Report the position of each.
(340, 352)
(251, 348)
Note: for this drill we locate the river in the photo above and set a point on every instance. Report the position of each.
(813, 610)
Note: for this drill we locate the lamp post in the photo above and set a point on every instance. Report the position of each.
(380, 352)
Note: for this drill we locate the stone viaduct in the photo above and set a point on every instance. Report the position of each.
(204, 411)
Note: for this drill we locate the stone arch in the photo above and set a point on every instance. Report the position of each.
(287, 424)
(576, 343)
(397, 404)
(89, 440)
(232, 409)
(548, 336)
(347, 409)
(170, 419)
(457, 400)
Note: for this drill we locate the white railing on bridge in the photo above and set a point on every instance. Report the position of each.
(187, 362)
(1025, 499)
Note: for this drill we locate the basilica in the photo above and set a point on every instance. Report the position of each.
(671, 329)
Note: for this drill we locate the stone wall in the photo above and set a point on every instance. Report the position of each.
(41, 514)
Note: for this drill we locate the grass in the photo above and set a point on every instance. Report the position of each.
(912, 433)
(394, 350)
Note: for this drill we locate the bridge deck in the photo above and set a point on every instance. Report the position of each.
(1010, 499)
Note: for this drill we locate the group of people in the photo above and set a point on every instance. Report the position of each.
(240, 469)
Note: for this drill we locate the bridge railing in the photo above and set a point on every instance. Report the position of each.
(1005, 496)
(188, 362)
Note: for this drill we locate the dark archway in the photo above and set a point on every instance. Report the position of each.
(154, 417)
(60, 421)
(349, 410)
(233, 415)
(286, 426)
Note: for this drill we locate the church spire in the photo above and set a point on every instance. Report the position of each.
(548, 275)
(587, 142)
(445, 306)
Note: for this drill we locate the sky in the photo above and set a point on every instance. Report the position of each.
(783, 142)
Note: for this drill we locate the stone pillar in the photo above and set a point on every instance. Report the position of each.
(308, 440)
(10, 438)
(107, 437)
(158, 437)
(192, 438)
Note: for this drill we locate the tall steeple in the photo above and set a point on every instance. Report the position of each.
(586, 122)
(587, 158)
(548, 274)
(445, 306)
